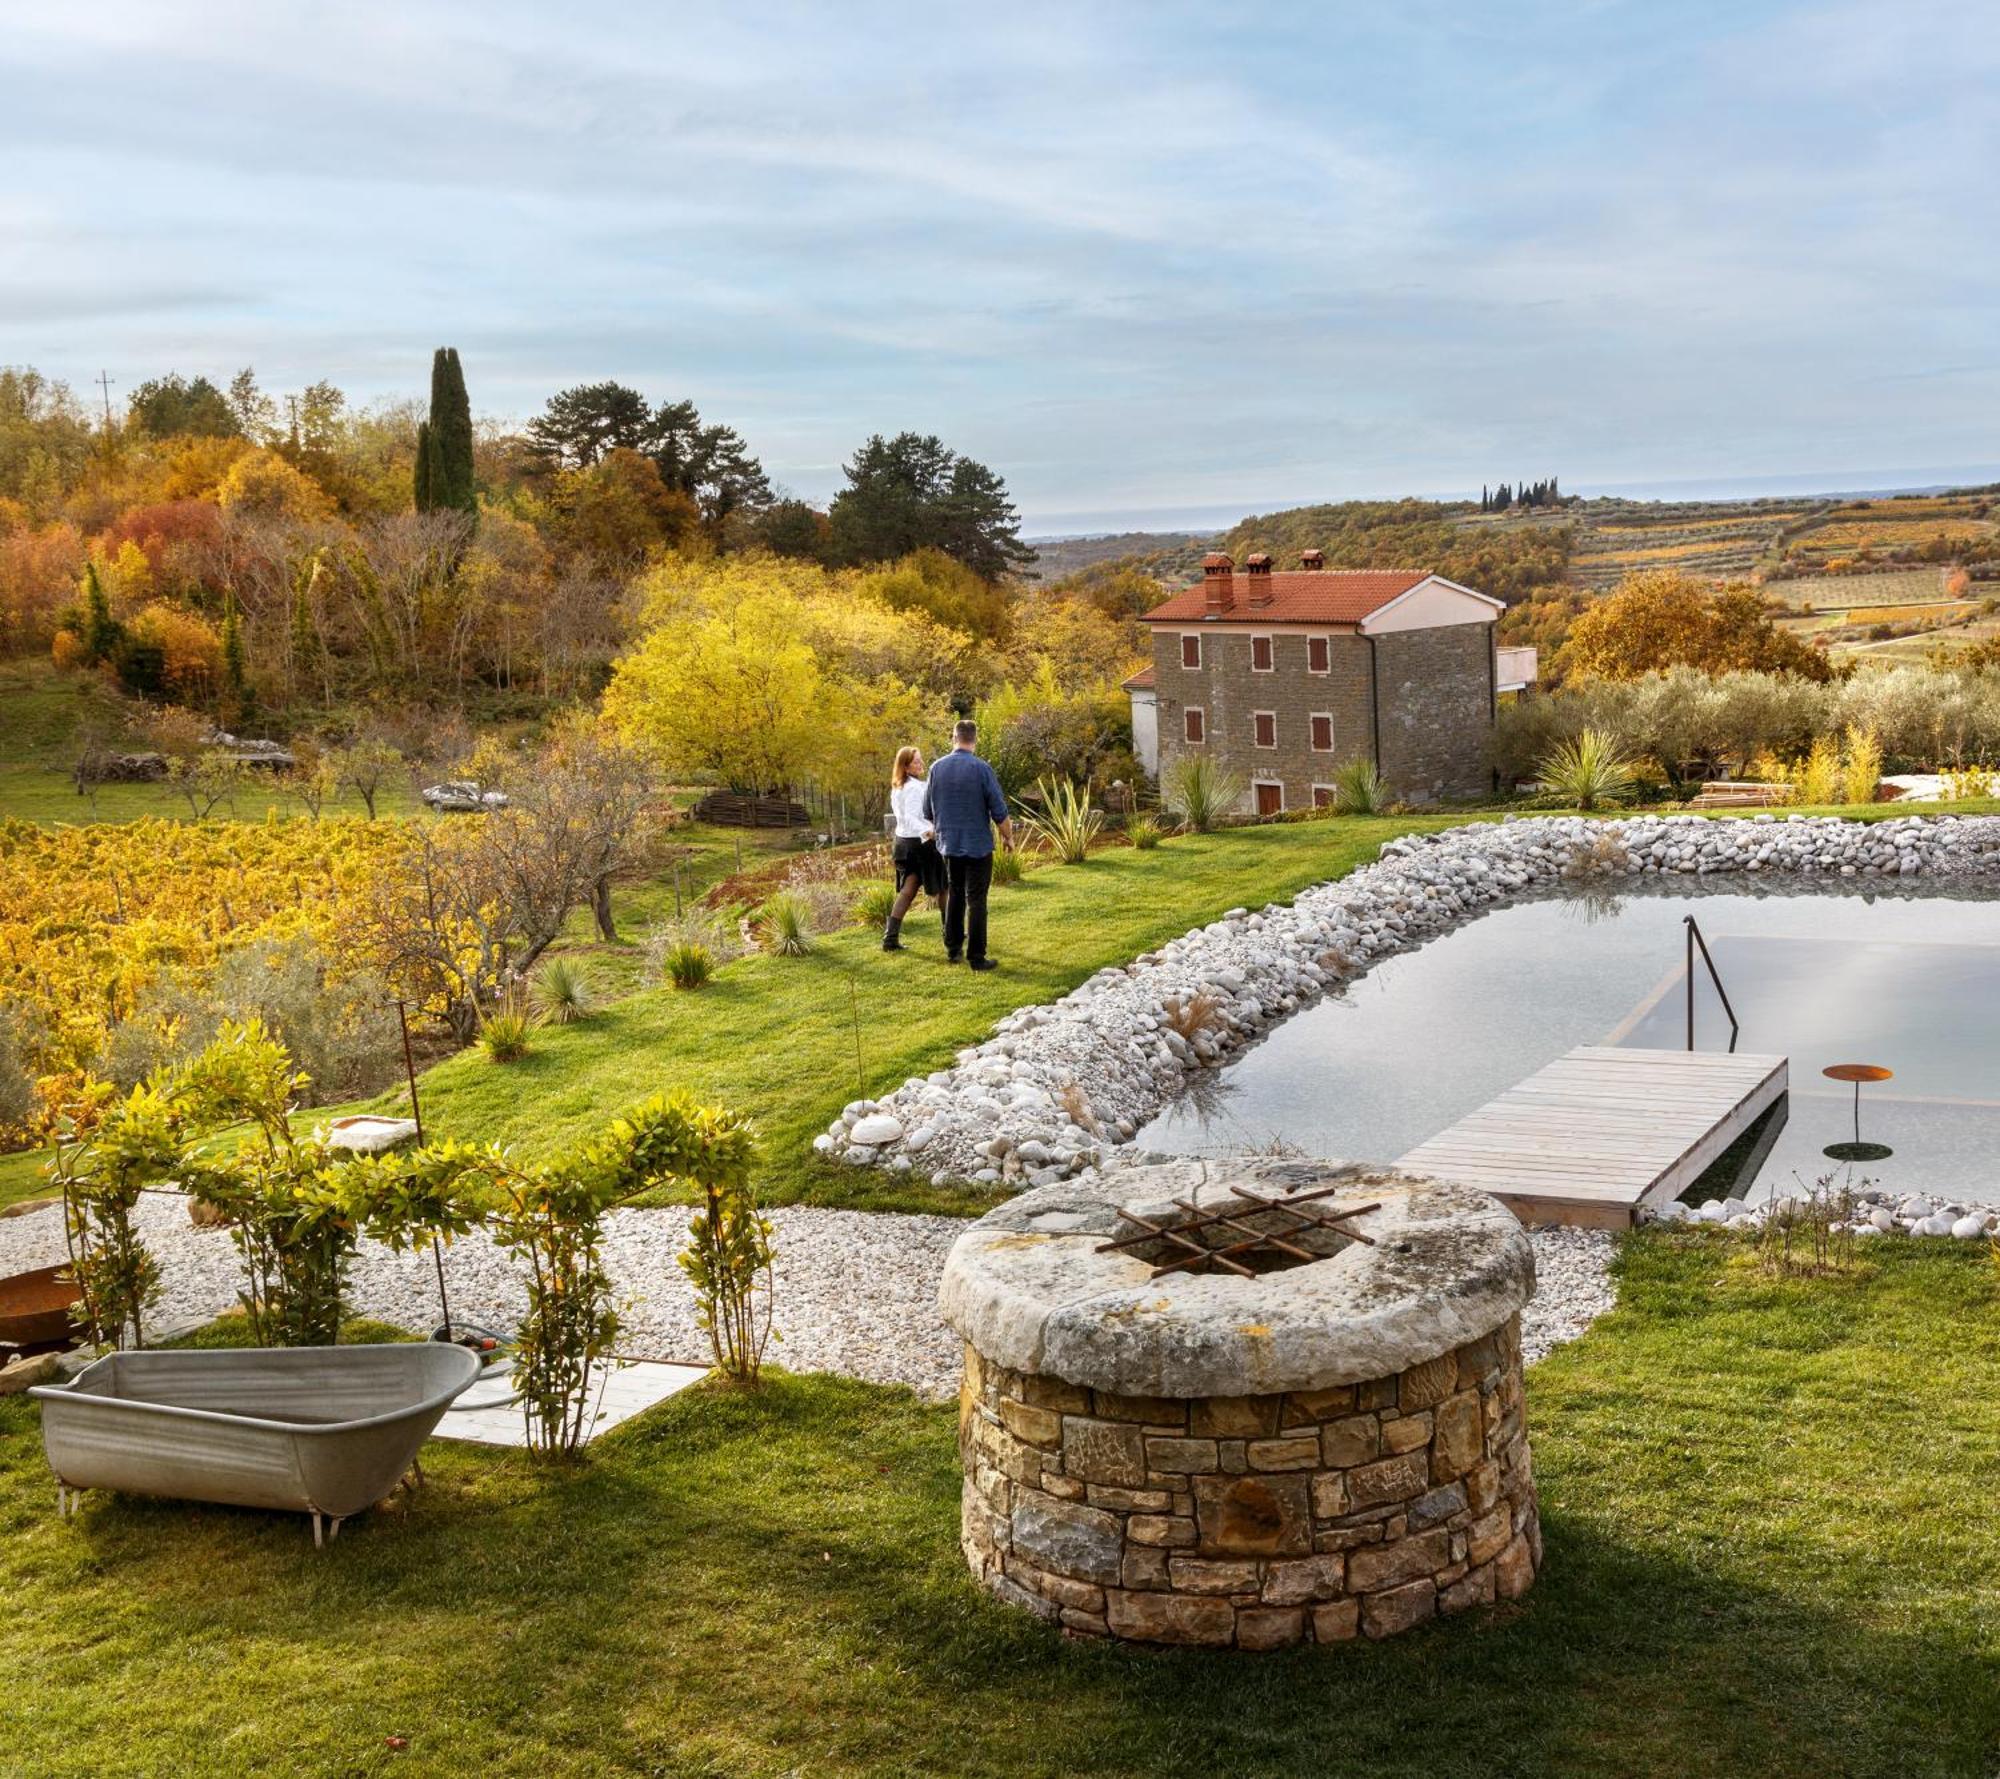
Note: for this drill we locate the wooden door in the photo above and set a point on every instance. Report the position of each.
(1270, 799)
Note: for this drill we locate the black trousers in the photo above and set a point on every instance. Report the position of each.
(966, 883)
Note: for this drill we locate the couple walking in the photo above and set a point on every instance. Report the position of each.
(944, 842)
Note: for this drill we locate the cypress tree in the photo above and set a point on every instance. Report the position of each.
(420, 471)
(100, 628)
(450, 443)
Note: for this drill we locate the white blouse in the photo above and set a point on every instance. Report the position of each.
(906, 800)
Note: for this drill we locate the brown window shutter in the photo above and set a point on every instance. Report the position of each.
(1323, 734)
(1267, 729)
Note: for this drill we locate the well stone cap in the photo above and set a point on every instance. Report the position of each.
(1027, 1286)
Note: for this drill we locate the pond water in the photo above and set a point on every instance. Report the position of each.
(1909, 981)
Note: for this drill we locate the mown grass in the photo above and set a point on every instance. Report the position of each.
(777, 1037)
(1770, 1551)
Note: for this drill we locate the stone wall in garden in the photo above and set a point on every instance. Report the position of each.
(1257, 1521)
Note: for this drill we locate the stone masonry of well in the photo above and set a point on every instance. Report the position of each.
(1253, 1521)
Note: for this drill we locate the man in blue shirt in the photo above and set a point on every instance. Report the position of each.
(964, 804)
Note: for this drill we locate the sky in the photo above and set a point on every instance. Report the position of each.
(1156, 264)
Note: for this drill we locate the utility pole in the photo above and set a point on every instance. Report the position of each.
(104, 383)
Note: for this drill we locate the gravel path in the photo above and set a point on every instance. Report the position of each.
(856, 1290)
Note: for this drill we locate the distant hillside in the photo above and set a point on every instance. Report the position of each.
(1057, 558)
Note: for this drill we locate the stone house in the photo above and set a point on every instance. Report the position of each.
(1282, 677)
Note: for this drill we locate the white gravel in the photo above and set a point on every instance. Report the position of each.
(856, 1290)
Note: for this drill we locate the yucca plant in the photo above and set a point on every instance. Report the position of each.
(1199, 793)
(505, 1033)
(562, 992)
(687, 963)
(785, 925)
(1358, 788)
(1067, 823)
(1588, 771)
(1145, 832)
(875, 903)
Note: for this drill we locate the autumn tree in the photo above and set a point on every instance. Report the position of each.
(765, 673)
(1661, 619)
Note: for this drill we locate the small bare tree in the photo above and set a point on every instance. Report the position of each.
(365, 767)
(206, 780)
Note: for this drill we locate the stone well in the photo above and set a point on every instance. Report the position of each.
(1331, 1447)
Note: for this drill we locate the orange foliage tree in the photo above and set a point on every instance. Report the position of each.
(1663, 619)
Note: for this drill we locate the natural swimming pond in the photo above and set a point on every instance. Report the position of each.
(1906, 980)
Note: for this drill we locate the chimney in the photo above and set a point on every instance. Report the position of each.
(1259, 569)
(1313, 559)
(1218, 582)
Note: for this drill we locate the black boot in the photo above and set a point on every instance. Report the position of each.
(892, 934)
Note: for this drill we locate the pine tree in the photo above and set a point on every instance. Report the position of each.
(450, 441)
(235, 680)
(420, 472)
(100, 628)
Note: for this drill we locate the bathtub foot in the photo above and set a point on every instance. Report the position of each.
(332, 1530)
(413, 1480)
(319, 1537)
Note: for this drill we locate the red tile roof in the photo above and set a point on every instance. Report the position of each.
(1297, 596)
(1142, 681)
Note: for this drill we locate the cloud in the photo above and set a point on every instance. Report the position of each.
(1135, 256)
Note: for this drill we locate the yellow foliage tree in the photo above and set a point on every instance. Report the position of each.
(765, 673)
(263, 485)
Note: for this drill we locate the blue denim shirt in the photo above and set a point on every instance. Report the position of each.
(963, 802)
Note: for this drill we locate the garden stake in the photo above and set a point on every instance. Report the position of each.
(854, 1006)
(417, 1118)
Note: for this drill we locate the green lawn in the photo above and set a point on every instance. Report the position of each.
(776, 1037)
(1771, 1550)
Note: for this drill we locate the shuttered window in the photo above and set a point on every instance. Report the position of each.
(1190, 651)
(1322, 734)
(1193, 722)
(1319, 654)
(1260, 654)
(1265, 723)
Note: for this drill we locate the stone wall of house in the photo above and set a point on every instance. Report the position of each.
(1230, 691)
(1436, 693)
(1256, 1521)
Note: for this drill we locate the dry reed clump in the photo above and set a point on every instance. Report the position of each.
(1809, 1233)
(1189, 1015)
(1604, 854)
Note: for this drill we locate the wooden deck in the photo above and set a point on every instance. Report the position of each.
(1602, 1131)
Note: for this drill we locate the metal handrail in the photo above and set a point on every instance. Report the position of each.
(1694, 938)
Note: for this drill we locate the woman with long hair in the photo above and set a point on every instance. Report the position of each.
(918, 863)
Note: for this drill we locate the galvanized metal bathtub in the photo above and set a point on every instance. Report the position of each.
(326, 1431)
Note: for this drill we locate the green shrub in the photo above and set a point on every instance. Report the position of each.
(1587, 772)
(504, 1035)
(875, 903)
(1199, 793)
(562, 992)
(1145, 832)
(1067, 823)
(1007, 866)
(1358, 788)
(687, 963)
(785, 925)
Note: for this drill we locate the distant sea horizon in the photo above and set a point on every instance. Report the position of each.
(1059, 527)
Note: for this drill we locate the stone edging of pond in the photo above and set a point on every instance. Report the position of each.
(1057, 1087)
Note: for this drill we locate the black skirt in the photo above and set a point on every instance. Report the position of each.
(919, 859)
